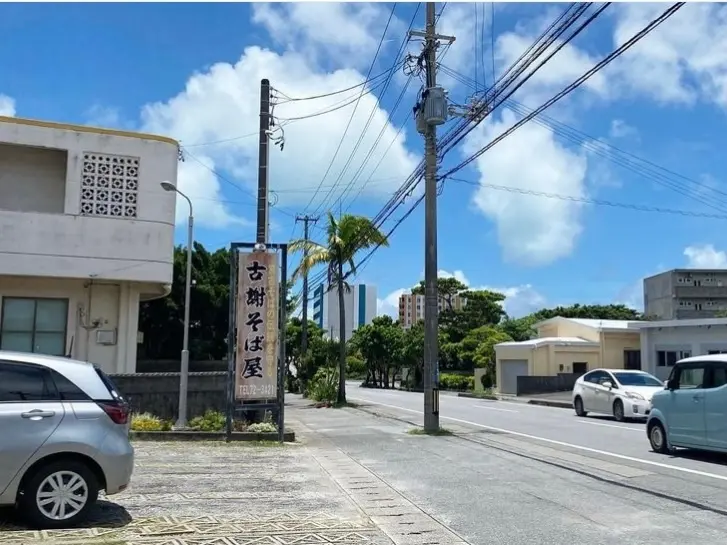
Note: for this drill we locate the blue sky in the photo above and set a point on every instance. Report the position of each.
(192, 71)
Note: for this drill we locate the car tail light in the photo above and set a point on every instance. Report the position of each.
(118, 412)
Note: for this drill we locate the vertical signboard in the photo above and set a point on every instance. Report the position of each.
(256, 359)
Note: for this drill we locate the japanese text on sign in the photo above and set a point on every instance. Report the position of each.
(256, 358)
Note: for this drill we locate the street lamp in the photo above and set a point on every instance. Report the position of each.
(184, 375)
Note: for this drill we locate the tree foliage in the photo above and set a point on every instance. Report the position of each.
(346, 237)
(379, 351)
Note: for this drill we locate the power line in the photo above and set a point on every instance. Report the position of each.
(599, 202)
(614, 54)
(618, 156)
(350, 119)
(333, 93)
(374, 109)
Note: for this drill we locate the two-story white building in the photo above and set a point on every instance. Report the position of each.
(86, 233)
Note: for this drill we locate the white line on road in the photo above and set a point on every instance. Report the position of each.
(494, 409)
(564, 444)
(610, 426)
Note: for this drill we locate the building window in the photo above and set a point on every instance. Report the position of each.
(110, 185)
(34, 325)
(667, 358)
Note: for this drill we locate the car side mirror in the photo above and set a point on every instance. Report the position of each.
(671, 385)
(607, 384)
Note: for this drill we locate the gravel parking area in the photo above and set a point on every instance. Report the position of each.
(218, 494)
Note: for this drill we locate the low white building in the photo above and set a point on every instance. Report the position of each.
(359, 304)
(86, 233)
(663, 343)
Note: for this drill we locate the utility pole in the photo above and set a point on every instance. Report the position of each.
(432, 111)
(263, 202)
(307, 220)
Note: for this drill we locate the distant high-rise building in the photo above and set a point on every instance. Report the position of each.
(682, 294)
(359, 306)
(411, 307)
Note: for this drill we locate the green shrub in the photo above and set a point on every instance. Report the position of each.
(449, 381)
(147, 422)
(355, 367)
(209, 421)
(324, 385)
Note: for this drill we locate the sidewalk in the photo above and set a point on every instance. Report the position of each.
(472, 487)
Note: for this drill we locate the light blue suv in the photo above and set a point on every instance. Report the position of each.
(690, 411)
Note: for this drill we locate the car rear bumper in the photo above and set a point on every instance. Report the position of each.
(118, 466)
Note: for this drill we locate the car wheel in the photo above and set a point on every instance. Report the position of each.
(657, 438)
(618, 410)
(578, 405)
(59, 495)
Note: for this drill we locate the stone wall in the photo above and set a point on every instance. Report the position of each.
(158, 393)
(173, 366)
(562, 382)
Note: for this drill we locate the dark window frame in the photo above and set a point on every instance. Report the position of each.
(35, 300)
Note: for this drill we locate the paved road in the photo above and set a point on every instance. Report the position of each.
(485, 494)
(559, 430)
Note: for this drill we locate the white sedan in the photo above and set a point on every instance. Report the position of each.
(622, 393)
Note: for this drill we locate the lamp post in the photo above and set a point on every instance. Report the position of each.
(184, 375)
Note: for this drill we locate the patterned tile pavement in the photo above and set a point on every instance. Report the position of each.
(218, 494)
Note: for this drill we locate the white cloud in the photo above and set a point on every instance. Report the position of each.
(223, 103)
(621, 129)
(7, 106)
(103, 116)
(520, 300)
(705, 256)
(389, 305)
(532, 230)
(459, 275)
(348, 33)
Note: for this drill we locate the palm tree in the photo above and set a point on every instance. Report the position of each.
(345, 238)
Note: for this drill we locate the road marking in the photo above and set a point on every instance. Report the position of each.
(494, 409)
(564, 444)
(611, 426)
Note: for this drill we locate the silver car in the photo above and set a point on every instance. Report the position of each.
(64, 436)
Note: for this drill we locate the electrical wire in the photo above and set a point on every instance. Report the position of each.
(610, 57)
(335, 107)
(620, 157)
(614, 54)
(374, 109)
(496, 99)
(599, 202)
(332, 93)
(350, 119)
(555, 30)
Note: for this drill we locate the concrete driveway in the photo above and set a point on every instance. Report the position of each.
(214, 493)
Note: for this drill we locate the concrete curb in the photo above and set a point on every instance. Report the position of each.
(528, 401)
(475, 396)
(546, 403)
(237, 436)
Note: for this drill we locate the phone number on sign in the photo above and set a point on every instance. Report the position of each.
(264, 390)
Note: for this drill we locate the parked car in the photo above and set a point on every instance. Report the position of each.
(65, 437)
(623, 393)
(690, 411)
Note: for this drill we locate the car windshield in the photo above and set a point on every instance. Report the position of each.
(637, 379)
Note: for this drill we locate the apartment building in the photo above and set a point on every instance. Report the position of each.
(411, 307)
(683, 294)
(359, 306)
(87, 234)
